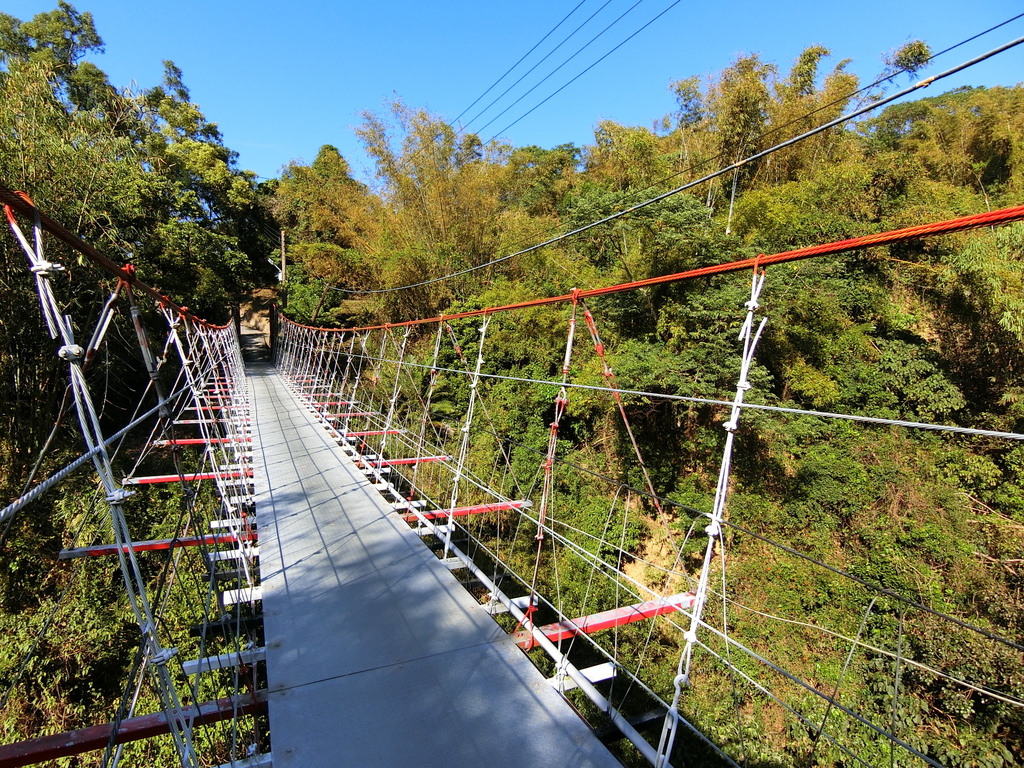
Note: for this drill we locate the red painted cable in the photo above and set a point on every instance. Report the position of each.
(975, 221)
(22, 203)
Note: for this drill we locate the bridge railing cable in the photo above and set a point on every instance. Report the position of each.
(204, 363)
(723, 171)
(408, 403)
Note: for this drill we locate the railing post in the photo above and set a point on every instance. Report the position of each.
(155, 655)
(749, 337)
(460, 462)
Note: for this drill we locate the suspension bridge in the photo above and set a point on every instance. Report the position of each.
(385, 586)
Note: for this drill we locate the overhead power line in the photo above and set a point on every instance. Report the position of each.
(521, 60)
(534, 67)
(577, 77)
(463, 129)
(860, 91)
(708, 177)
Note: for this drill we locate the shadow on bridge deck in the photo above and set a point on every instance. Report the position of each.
(255, 345)
(376, 656)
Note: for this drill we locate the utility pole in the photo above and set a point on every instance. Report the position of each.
(284, 275)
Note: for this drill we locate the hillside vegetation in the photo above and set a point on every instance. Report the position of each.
(930, 331)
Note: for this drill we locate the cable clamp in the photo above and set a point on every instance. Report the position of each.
(119, 496)
(71, 352)
(713, 530)
(161, 657)
(690, 636)
(46, 268)
(730, 426)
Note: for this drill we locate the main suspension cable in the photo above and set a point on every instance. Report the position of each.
(708, 177)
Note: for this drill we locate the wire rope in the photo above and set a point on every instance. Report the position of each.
(791, 551)
(556, 69)
(577, 77)
(522, 59)
(823, 696)
(707, 177)
(758, 407)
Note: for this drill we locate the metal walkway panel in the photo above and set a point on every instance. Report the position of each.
(376, 655)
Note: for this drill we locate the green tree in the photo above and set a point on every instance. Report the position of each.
(322, 203)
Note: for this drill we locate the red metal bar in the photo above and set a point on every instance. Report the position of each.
(98, 550)
(476, 509)
(133, 729)
(200, 441)
(616, 617)
(218, 419)
(400, 462)
(335, 402)
(22, 205)
(186, 478)
(348, 415)
(374, 432)
(978, 220)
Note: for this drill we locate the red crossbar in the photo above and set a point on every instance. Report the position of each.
(374, 432)
(200, 441)
(477, 509)
(187, 478)
(335, 402)
(347, 415)
(98, 550)
(132, 729)
(401, 462)
(616, 617)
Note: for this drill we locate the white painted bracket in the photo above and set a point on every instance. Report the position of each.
(244, 595)
(224, 661)
(594, 674)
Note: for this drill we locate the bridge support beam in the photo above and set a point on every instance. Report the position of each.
(133, 729)
(369, 463)
(200, 441)
(98, 550)
(476, 509)
(616, 617)
(189, 478)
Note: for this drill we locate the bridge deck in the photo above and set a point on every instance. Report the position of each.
(375, 654)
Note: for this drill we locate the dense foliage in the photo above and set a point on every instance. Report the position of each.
(144, 177)
(928, 331)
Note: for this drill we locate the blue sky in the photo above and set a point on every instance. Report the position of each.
(281, 79)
